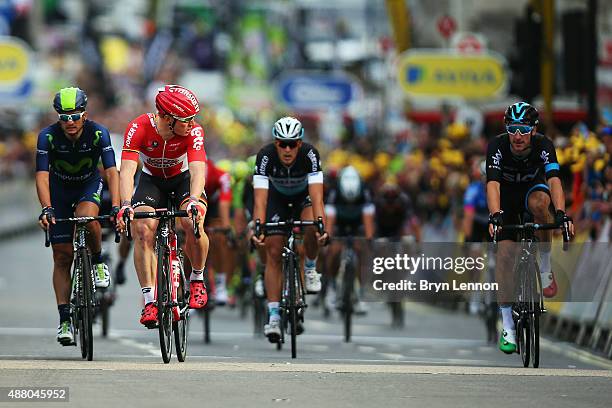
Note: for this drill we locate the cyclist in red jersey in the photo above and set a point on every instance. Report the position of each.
(219, 192)
(171, 146)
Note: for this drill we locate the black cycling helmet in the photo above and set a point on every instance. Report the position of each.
(70, 99)
(521, 113)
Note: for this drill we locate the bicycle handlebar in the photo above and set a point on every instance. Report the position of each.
(80, 220)
(160, 214)
(532, 226)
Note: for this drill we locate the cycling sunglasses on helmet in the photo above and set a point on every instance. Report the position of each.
(64, 117)
(522, 129)
(292, 144)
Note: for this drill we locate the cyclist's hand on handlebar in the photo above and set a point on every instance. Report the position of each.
(495, 221)
(322, 239)
(46, 217)
(113, 213)
(126, 211)
(195, 206)
(562, 219)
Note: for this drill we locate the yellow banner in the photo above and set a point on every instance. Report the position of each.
(446, 74)
(14, 61)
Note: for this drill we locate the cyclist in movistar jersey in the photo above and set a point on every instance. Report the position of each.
(68, 183)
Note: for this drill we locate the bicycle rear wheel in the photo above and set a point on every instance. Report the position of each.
(181, 327)
(87, 311)
(164, 311)
(347, 298)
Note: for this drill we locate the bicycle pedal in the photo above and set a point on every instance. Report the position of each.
(274, 338)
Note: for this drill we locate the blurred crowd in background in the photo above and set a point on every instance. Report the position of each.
(231, 54)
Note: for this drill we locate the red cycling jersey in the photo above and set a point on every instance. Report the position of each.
(218, 184)
(161, 158)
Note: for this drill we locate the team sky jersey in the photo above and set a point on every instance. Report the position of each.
(218, 184)
(349, 212)
(270, 173)
(74, 162)
(475, 198)
(539, 165)
(161, 158)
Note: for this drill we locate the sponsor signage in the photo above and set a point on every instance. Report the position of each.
(15, 78)
(314, 91)
(450, 74)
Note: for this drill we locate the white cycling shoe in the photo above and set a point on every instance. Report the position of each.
(313, 281)
(272, 331)
(101, 275)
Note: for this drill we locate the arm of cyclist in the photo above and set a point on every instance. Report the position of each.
(494, 204)
(42, 181)
(197, 172)
(558, 199)
(315, 190)
(259, 211)
(126, 187)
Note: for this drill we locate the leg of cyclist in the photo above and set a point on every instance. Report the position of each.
(62, 261)
(145, 263)
(273, 282)
(197, 252)
(539, 206)
(311, 277)
(505, 296)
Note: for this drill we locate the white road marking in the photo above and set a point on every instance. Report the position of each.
(294, 367)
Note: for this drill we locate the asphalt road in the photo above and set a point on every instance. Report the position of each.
(439, 359)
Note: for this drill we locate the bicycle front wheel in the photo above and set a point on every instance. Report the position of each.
(293, 318)
(87, 310)
(164, 311)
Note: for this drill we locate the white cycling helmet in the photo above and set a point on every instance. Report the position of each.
(349, 183)
(288, 128)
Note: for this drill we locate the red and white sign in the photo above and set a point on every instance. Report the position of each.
(446, 26)
(605, 52)
(469, 43)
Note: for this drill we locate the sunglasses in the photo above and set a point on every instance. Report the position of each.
(291, 144)
(70, 117)
(184, 120)
(522, 129)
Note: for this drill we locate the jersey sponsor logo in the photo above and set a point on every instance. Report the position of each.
(520, 178)
(497, 157)
(63, 165)
(313, 158)
(107, 148)
(38, 151)
(154, 144)
(162, 162)
(130, 134)
(174, 147)
(198, 142)
(544, 156)
(263, 165)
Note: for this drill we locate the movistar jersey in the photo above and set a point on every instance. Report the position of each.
(74, 162)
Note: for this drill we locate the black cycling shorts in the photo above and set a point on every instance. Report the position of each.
(284, 208)
(514, 203)
(154, 191)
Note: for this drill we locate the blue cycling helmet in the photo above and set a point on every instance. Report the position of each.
(70, 99)
(521, 113)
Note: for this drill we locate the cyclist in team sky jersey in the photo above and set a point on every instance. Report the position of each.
(171, 146)
(68, 183)
(522, 176)
(288, 184)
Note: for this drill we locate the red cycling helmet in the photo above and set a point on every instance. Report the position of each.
(178, 102)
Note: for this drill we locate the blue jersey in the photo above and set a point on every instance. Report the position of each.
(74, 162)
(475, 197)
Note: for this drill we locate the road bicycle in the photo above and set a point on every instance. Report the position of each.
(529, 299)
(83, 300)
(293, 294)
(172, 288)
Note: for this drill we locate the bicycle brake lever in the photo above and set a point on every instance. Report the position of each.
(47, 242)
(128, 231)
(196, 227)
